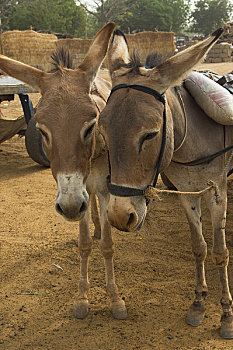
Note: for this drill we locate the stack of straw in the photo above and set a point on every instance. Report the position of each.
(29, 47)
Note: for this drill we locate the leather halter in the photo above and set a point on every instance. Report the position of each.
(123, 191)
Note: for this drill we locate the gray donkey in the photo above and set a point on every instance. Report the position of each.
(151, 127)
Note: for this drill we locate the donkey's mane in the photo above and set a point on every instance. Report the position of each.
(61, 58)
(135, 62)
(153, 59)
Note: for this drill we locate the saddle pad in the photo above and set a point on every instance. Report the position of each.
(215, 100)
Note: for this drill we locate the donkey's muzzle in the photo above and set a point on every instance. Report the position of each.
(126, 214)
(72, 212)
(72, 197)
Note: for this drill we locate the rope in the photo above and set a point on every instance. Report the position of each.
(152, 193)
(227, 166)
(185, 119)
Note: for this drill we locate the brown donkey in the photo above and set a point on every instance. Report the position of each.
(151, 127)
(67, 117)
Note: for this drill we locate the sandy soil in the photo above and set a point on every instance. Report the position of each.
(154, 271)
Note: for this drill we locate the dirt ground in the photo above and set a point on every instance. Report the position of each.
(154, 270)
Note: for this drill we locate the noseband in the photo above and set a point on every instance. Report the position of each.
(123, 191)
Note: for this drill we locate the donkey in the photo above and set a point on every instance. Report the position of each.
(67, 117)
(151, 127)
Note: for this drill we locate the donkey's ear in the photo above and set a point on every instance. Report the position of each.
(97, 51)
(30, 75)
(118, 53)
(174, 70)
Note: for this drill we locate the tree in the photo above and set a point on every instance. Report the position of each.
(62, 16)
(180, 12)
(148, 15)
(137, 15)
(108, 10)
(6, 7)
(210, 14)
(163, 15)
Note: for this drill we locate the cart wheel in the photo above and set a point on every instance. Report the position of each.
(167, 182)
(34, 145)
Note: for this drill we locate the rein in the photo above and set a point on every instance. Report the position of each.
(206, 159)
(123, 191)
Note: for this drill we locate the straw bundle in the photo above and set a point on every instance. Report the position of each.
(227, 35)
(220, 53)
(161, 42)
(77, 47)
(35, 48)
(145, 42)
(29, 47)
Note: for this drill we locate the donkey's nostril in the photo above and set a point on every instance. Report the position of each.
(58, 209)
(131, 219)
(83, 207)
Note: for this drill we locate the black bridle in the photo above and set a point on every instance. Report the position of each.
(123, 191)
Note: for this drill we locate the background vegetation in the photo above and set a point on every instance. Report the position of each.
(82, 18)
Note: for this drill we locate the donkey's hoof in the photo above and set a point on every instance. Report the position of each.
(196, 314)
(118, 309)
(226, 329)
(81, 309)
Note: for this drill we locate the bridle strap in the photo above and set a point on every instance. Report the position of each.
(123, 191)
(205, 159)
(142, 88)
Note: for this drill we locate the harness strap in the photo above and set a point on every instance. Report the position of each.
(123, 191)
(142, 88)
(206, 159)
(177, 90)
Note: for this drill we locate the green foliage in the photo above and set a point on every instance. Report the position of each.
(61, 16)
(147, 15)
(64, 16)
(92, 26)
(137, 15)
(106, 11)
(6, 7)
(208, 15)
(180, 11)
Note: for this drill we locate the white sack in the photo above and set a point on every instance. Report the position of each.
(215, 100)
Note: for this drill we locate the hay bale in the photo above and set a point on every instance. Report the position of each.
(161, 42)
(29, 47)
(227, 35)
(77, 47)
(35, 48)
(145, 42)
(220, 53)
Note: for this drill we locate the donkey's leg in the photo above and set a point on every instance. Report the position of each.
(85, 246)
(95, 216)
(192, 206)
(217, 207)
(106, 244)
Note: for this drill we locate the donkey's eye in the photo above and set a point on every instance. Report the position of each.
(150, 136)
(147, 138)
(88, 132)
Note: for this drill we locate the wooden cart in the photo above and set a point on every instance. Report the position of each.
(25, 125)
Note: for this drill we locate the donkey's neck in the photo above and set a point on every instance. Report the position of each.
(100, 91)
